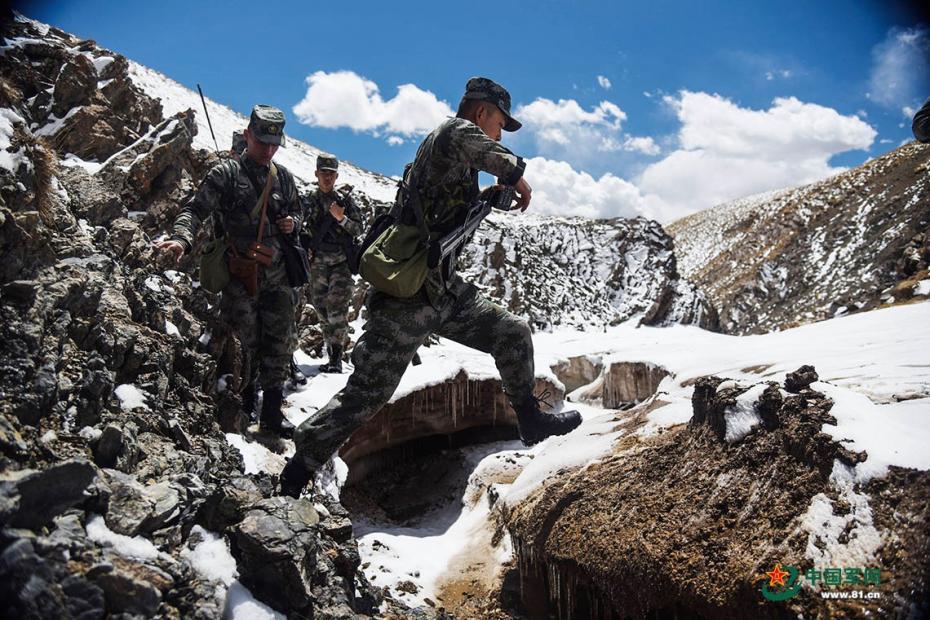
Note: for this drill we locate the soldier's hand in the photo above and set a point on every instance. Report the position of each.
(285, 224)
(172, 248)
(337, 211)
(524, 193)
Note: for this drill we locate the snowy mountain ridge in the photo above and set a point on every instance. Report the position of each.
(852, 242)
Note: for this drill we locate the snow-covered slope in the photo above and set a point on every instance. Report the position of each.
(297, 156)
(851, 242)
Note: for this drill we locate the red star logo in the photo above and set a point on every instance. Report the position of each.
(777, 576)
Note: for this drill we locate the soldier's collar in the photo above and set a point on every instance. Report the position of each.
(251, 163)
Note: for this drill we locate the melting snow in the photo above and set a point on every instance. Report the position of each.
(130, 547)
(130, 397)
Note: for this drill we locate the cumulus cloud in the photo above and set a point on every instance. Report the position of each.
(727, 151)
(564, 130)
(346, 99)
(559, 189)
(604, 82)
(900, 72)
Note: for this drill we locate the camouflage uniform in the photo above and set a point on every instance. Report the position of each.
(331, 284)
(264, 324)
(447, 165)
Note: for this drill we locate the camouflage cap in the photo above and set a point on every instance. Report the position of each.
(327, 162)
(485, 89)
(267, 124)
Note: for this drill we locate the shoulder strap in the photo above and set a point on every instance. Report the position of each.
(262, 204)
(412, 195)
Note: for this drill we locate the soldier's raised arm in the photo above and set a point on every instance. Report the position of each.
(465, 142)
(352, 222)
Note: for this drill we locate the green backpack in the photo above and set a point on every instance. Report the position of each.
(395, 261)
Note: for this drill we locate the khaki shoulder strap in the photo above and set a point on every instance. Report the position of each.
(262, 204)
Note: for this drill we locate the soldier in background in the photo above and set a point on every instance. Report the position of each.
(921, 124)
(263, 322)
(331, 223)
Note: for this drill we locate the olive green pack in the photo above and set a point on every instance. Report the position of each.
(395, 263)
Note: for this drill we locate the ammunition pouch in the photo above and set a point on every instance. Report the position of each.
(246, 271)
(261, 253)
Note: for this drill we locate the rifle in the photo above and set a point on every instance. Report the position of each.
(448, 246)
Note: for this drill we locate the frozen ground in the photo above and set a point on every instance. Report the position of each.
(873, 365)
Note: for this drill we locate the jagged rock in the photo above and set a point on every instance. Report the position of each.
(11, 442)
(705, 388)
(628, 383)
(578, 371)
(800, 379)
(583, 273)
(88, 134)
(130, 587)
(275, 547)
(37, 497)
(135, 508)
(110, 445)
(770, 403)
(28, 585)
(228, 503)
(76, 84)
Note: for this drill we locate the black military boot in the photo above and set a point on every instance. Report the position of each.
(536, 425)
(335, 360)
(272, 419)
(294, 477)
(248, 401)
(297, 375)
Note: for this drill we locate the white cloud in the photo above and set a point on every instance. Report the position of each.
(346, 99)
(395, 140)
(564, 130)
(901, 68)
(604, 82)
(908, 111)
(727, 152)
(558, 189)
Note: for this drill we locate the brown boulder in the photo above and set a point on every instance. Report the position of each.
(75, 85)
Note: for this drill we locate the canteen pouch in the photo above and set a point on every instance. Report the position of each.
(396, 262)
(214, 270)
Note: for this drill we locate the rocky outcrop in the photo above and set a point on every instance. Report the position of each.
(584, 273)
(687, 522)
(113, 464)
(850, 243)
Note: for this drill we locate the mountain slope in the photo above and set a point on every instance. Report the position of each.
(849, 243)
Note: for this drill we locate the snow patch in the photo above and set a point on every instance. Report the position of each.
(743, 418)
(130, 397)
(131, 547)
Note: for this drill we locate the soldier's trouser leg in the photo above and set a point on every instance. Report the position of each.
(276, 334)
(337, 302)
(319, 287)
(395, 330)
(240, 311)
(481, 324)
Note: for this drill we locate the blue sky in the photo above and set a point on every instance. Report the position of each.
(657, 108)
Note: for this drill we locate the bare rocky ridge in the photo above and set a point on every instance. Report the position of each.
(850, 243)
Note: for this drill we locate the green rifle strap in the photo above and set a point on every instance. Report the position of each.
(414, 200)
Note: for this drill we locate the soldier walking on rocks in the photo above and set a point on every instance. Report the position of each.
(331, 223)
(263, 318)
(444, 179)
